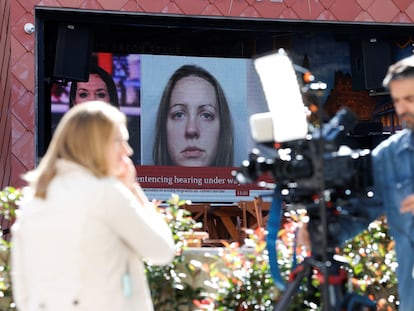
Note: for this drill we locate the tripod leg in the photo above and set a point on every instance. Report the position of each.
(304, 270)
(357, 302)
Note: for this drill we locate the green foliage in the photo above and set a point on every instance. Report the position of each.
(169, 285)
(240, 278)
(244, 282)
(9, 201)
(371, 266)
(373, 263)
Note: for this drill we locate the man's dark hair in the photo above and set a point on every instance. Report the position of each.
(402, 69)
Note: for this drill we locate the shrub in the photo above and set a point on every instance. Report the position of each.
(169, 285)
(9, 200)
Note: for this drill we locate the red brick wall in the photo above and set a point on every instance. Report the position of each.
(22, 71)
(5, 94)
(342, 95)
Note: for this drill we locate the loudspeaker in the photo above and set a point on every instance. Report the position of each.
(73, 52)
(370, 59)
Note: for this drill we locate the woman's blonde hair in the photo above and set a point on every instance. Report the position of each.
(82, 137)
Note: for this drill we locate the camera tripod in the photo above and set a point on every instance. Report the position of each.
(333, 279)
(330, 272)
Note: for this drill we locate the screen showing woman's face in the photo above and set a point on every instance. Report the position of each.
(193, 123)
(94, 89)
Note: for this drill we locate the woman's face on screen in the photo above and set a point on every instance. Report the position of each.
(193, 123)
(94, 89)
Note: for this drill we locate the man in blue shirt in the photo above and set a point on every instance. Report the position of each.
(393, 171)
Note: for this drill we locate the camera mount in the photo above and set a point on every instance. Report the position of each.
(312, 168)
(324, 265)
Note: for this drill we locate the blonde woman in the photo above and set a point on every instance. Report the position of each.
(80, 239)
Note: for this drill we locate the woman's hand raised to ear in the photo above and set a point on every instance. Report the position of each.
(127, 175)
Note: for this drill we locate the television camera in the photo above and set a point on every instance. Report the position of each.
(318, 161)
(317, 168)
(316, 165)
(310, 167)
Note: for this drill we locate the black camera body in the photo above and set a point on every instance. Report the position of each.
(301, 168)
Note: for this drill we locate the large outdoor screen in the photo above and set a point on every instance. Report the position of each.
(188, 86)
(190, 144)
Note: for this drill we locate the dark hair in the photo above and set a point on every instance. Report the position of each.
(106, 78)
(224, 156)
(402, 69)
